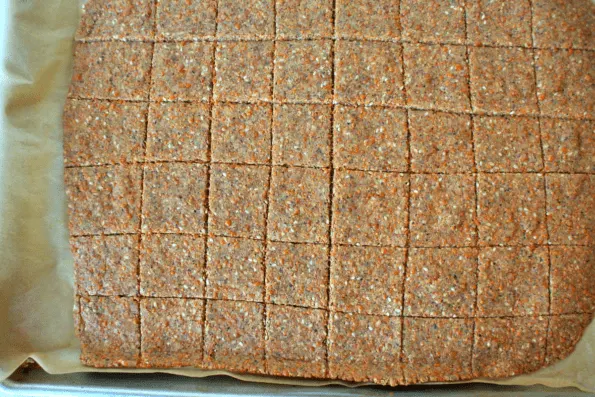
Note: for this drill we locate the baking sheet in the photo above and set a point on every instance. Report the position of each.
(36, 268)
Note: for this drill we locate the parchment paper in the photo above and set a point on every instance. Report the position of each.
(36, 268)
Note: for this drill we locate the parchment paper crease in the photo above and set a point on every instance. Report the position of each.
(36, 271)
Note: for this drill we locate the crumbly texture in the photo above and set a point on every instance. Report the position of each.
(112, 70)
(297, 274)
(442, 210)
(238, 200)
(298, 206)
(117, 19)
(513, 281)
(370, 138)
(164, 345)
(440, 142)
(570, 202)
(434, 21)
(568, 145)
(370, 208)
(178, 131)
(172, 265)
(103, 199)
(186, 19)
(437, 349)
(368, 73)
(182, 71)
(304, 18)
(234, 336)
(504, 22)
(502, 80)
(373, 272)
(105, 265)
(372, 19)
(572, 280)
(103, 132)
(173, 202)
(303, 71)
(440, 282)
(508, 346)
(511, 209)
(235, 269)
(241, 133)
(301, 135)
(564, 23)
(108, 327)
(296, 341)
(565, 83)
(243, 70)
(507, 144)
(436, 77)
(387, 191)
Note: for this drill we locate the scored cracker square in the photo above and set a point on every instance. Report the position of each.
(246, 19)
(105, 265)
(570, 203)
(508, 346)
(164, 344)
(367, 19)
(111, 70)
(572, 279)
(103, 132)
(186, 19)
(440, 142)
(174, 198)
(507, 144)
(103, 199)
(109, 331)
(437, 349)
(299, 205)
(564, 333)
(296, 274)
(504, 22)
(367, 280)
(568, 145)
(434, 21)
(235, 269)
(368, 73)
(502, 80)
(370, 138)
(440, 282)
(513, 281)
(365, 348)
(301, 135)
(241, 133)
(117, 19)
(172, 265)
(511, 209)
(296, 343)
(362, 203)
(243, 71)
(304, 18)
(436, 76)
(237, 200)
(182, 71)
(565, 83)
(442, 210)
(178, 131)
(303, 70)
(234, 336)
(563, 23)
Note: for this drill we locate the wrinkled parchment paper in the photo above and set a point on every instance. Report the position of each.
(36, 268)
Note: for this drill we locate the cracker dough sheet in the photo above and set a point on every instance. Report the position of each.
(369, 190)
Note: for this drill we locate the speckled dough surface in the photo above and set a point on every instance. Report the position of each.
(388, 191)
